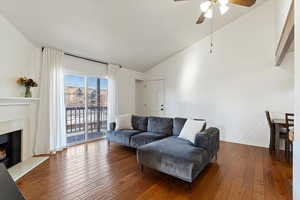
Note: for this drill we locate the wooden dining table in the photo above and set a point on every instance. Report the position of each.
(278, 124)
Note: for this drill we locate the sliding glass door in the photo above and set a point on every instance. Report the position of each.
(86, 108)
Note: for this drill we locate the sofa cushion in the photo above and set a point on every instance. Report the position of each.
(124, 122)
(160, 125)
(139, 123)
(121, 136)
(190, 129)
(178, 124)
(145, 138)
(174, 156)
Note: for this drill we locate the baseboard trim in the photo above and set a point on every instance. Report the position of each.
(247, 144)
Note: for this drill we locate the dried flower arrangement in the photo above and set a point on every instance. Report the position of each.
(28, 84)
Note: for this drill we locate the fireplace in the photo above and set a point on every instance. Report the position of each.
(10, 148)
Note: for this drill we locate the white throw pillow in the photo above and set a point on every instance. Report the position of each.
(190, 129)
(124, 122)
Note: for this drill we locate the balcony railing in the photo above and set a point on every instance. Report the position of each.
(94, 121)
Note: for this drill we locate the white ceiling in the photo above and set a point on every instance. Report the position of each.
(137, 34)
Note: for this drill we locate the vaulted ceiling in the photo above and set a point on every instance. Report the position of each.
(137, 34)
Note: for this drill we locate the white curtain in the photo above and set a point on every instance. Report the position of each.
(51, 130)
(112, 101)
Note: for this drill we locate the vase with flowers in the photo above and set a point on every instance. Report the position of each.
(28, 83)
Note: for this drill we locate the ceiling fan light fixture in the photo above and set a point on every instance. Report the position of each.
(205, 6)
(223, 9)
(223, 2)
(209, 13)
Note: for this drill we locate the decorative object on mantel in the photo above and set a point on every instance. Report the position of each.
(28, 84)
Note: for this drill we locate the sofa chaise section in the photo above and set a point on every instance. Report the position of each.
(178, 157)
(145, 138)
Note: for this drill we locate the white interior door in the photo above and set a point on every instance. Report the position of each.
(156, 98)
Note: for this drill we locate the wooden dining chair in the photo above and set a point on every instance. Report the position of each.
(289, 121)
(272, 131)
(283, 133)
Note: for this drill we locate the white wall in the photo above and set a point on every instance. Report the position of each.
(126, 89)
(296, 167)
(235, 85)
(18, 57)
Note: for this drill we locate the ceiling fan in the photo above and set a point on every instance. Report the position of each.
(207, 7)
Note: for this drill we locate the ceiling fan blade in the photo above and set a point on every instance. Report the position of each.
(247, 3)
(200, 19)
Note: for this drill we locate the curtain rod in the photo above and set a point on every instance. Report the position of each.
(88, 59)
(84, 58)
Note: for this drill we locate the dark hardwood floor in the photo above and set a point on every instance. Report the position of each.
(89, 171)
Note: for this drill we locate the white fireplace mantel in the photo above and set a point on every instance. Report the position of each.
(9, 126)
(15, 101)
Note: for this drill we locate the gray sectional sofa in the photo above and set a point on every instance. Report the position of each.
(159, 147)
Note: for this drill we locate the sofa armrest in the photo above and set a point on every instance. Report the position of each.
(112, 126)
(209, 139)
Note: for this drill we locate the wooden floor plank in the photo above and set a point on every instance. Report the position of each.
(92, 171)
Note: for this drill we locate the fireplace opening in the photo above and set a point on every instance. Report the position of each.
(3, 153)
(10, 148)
